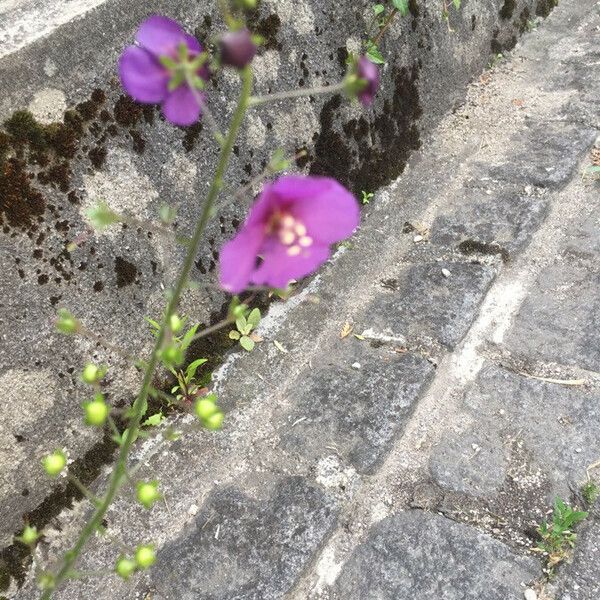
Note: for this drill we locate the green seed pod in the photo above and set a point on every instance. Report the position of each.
(145, 556)
(205, 408)
(96, 411)
(147, 493)
(175, 323)
(29, 536)
(214, 422)
(125, 567)
(67, 323)
(54, 463)
(92, 374)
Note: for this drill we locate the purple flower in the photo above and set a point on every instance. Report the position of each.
(168, 67)
(237, 48)
(288, 232)
(368, 72)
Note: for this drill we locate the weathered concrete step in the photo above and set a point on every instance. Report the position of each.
(420, 555)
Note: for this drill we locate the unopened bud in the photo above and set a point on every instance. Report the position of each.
(96, 411)
(66, 323)
(29, 536)
(145, 556)
(125, 567)
(54, 463)
(237, 48)
(147, 493)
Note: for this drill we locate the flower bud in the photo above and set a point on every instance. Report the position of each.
(206, 408)
(29, 536)
(237, 48)
(66, 323)
(363, 80)
(247, 4)
(214, 422)
(92, 374)
(172, 356)
(125, 567)
(147, 493)
(175, 323)
(54, 463)
(145, 556)
(46, 581)
(96, 411)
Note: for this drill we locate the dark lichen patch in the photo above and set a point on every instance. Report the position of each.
(545, 7)
(20, 202)
(127, 112)
(125, 271)
(139, 143)
(508, 8)
(25, 130)
(485, 248)
(524, 20)
(378, 150)
(267, 28)
(97, 156)
(191, 136)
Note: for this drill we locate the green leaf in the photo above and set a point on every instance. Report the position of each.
(167, 214)
(373, 54)
(174, 389)
(234, 335)
(456, 4)
(247, 329)
(247, 343)
(402, 6)
(102, 216)
(190, 372)
(254, 317)
(378, 9)
(241, 323)
(189, 334)
(154, 420)
(593, 169)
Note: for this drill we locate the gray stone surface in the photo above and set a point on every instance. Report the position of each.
(547, 154)
(241, 547)
(355, 402)
(133, 160)
(421, 555)
(580, 579)
(558, 425)
(503, 220)
(421, 303)
(560, 319)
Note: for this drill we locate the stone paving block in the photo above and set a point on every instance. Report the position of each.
(558, 425)
(545, 154)
(505, 217)
(580, 580)
(242, 547)
(354, 404)
(421, 555)
(560, 319)
(423, 302)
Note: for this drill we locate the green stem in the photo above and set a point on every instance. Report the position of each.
(316, 91)
(140, 404)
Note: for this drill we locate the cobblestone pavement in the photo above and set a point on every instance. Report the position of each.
(416, 460)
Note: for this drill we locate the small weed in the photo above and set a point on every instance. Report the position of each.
(590, 492)
(557, 536)
(366, 197)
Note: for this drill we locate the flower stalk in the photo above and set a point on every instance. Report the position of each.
(139, 407)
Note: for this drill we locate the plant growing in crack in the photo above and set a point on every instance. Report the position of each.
(288, 234)
(244, 327)
(557, 537)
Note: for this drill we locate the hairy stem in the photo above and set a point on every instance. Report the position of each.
(140, 404)
(386, 26)
(316, 91)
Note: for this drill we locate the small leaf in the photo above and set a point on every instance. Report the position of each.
(359, 337)
(247, 329)
(254, 317)
(190, 372)
(234, 335)
(280, 347)
(247, 343)
(241, 323)
(188, 337)
(456, 4)
(154, 420)
(174, 389)
(374, 54)
(167, 214)
(346, 330)
(255, 337)
(402, 6)
(378, 9)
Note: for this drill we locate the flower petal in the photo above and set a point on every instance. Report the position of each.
(327, 209)
(279, 268)
(237, 259)
(161, 36)
(142, 75)
(193, 44)
(181, 107)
